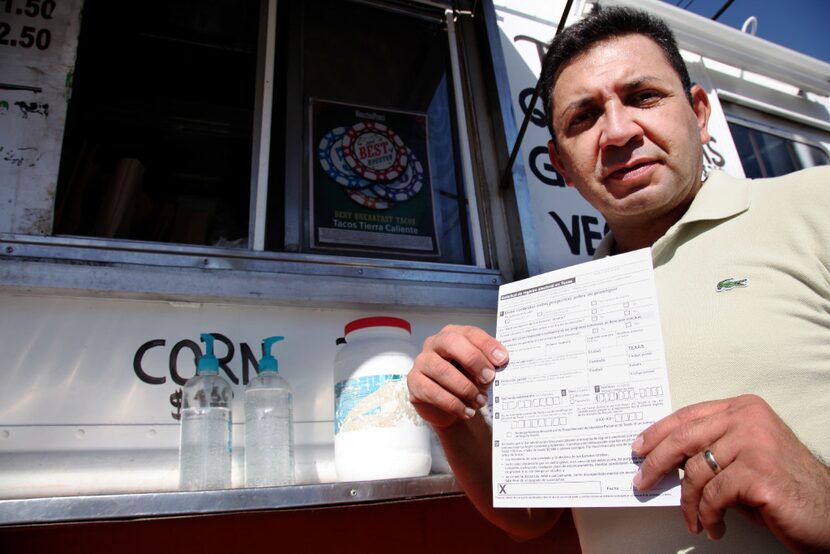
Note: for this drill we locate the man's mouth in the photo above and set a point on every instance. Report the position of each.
(632, 172)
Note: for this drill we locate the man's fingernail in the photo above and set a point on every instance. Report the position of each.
(469, 412)
(716, 532)
(499, 355)
(637, 444)
(487, 375)
(638, 479)
(481, 400)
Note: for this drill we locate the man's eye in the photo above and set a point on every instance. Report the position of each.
(645, 98)
(582, 118)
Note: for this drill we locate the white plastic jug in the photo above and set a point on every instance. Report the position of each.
(377, 432)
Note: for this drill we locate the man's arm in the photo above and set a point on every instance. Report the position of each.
(754, 462)
(447, 386)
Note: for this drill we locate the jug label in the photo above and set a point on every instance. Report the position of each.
(371, 402)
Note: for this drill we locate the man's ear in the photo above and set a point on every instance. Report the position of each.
(556, 161)
(702, 109)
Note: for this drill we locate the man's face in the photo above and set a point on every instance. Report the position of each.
(628, 139)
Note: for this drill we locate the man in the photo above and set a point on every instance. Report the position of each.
(743, 277)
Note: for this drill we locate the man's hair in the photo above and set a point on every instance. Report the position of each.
(600, 25)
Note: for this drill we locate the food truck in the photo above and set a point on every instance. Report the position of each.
(263, 167)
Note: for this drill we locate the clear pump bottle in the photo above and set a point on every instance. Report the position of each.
(269, 432)
(205, 447)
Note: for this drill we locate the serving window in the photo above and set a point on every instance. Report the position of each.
(166, 121)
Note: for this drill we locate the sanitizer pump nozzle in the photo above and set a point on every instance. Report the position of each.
(269, 362)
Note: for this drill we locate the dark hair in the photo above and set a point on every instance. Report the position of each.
(600, 25)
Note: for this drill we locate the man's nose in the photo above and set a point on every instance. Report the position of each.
(620, 127)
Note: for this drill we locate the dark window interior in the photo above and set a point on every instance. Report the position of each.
(158, 136)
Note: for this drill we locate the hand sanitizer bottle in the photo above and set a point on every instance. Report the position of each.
(269, 433)
(205, 448)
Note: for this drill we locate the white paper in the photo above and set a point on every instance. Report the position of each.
(587, 373)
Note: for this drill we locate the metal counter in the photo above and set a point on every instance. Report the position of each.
(131, 506)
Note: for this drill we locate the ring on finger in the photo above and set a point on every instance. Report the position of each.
(710, 459)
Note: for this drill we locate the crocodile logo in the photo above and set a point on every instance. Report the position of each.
(732, 283)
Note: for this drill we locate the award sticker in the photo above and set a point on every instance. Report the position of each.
(374, 151)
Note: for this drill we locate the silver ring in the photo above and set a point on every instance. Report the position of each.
(710, 459)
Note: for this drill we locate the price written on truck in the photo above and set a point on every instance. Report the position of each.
(23, 25)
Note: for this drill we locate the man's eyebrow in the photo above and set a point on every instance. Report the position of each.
(589, 100)
(579, 104)
(641, 82)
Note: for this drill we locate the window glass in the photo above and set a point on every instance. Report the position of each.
(380, 169)
(768, 155)
(158, 137)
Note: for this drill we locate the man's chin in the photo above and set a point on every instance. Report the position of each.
(625, 192)
(634, 201)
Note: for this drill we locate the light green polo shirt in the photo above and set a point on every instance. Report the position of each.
(764, 330)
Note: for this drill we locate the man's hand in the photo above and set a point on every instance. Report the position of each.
(756, 463)
(450, 377)
(447, 386)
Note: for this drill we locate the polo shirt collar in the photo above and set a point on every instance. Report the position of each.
(720, 197)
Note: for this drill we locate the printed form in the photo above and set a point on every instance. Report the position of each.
(587, 373)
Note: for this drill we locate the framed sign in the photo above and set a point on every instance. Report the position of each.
(369, 180)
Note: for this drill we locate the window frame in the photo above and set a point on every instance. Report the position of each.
(122, 268)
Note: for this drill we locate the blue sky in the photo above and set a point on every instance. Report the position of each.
(798, 24)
